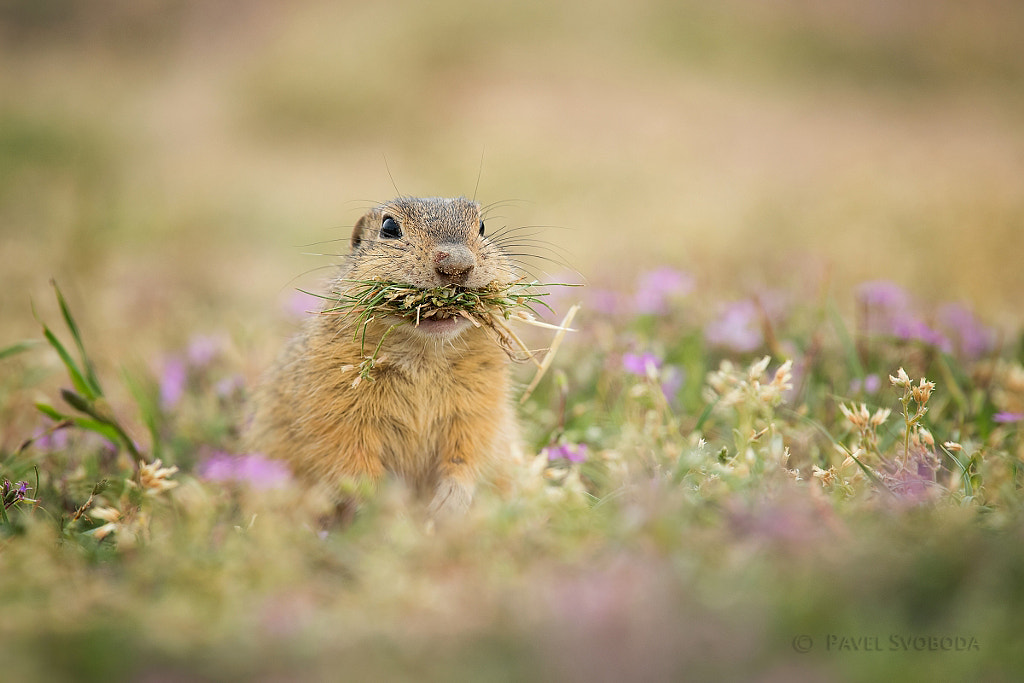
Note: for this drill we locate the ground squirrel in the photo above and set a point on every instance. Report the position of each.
(438, 410)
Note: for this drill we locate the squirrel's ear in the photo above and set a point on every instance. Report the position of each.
(357, 232)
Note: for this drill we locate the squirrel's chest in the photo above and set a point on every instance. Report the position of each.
(423, 415)
(427, 396)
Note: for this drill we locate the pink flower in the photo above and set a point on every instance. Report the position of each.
(203, 348)
(912, 328)
(637, 363)
(229, 386)
(971, 338)
(656, 287)
(573, 452)
(870, 384)
(606, 301)
(172, 382)
(672, 377)
(254, 470)
(883, 294)
(1007, 417)
(51, 440)
(886, 310)
(737, 328)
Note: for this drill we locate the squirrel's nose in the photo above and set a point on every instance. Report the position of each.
(454, 262)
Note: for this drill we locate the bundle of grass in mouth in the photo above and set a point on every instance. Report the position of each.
(490, 307)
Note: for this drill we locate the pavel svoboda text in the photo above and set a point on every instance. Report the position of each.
(898, 643)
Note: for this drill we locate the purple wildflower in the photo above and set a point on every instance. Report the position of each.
(886, 310)
(1006, 417)
(607, 301)
(673, 379)
(971, 338)
(912, 478)
(254, 470)
(203, 348)
(13, 493)
(912, 328)
(641, 364)
(656, 287)
(637, 363)
(883, 305)
(737, 328)
(573, 452)
(51, 440)
(869, 385)
(883, 294)
(172, 382)
(229, 386)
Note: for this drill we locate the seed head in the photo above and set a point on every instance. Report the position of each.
(902, 379)
(923, 391)
(880, 416)
(154, 479)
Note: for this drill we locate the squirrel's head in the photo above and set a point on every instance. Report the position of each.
(427, 243)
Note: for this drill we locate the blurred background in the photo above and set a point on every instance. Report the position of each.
(167, 160)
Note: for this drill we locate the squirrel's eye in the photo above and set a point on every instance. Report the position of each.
(390, 229)
(481, 228)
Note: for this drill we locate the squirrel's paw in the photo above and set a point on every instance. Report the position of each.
(451, 498)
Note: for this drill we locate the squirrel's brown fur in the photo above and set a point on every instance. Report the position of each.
(437, 411)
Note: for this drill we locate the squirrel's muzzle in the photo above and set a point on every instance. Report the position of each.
(453, 263)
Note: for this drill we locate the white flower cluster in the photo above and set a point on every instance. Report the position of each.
(733, 386)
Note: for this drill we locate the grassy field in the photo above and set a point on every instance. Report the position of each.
(776, 208)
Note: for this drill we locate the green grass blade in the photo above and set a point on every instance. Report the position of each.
(109, 422)
(75, 401)
(49, 411)
(149, 409)
(74, 372)
(952, 385)
(968, 487)
(845, 339)
(19, 347)
(705, 414)
(103, 429)
(89, 374)
(875, 479)
(91, 424)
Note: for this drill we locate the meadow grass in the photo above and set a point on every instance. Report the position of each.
(690, 506)
(489, 307)
(686, 510)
